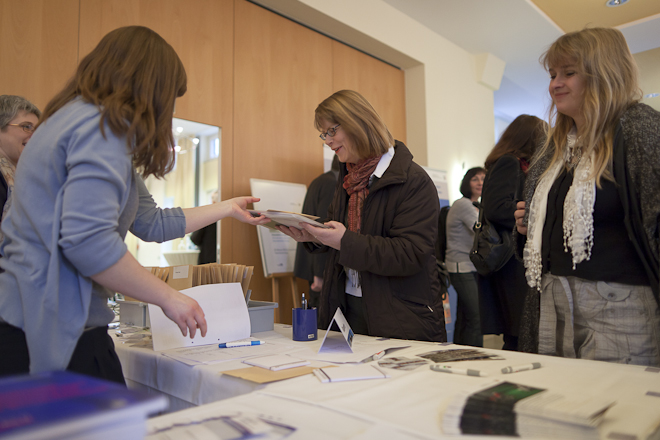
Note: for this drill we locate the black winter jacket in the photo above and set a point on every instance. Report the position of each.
(394, 254)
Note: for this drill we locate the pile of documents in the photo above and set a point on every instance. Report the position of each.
(187, 276)
(518, 410)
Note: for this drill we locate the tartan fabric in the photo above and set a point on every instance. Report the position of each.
(599, 320)
(356, 184)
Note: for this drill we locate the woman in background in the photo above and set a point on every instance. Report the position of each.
(502, 293)
(18, 117)
(381, 269)
(592, 206)
(460, 237)
(206, 239)
(77, 193)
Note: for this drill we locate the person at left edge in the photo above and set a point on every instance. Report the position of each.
(76, 195)
(381, 268)
(18, 117)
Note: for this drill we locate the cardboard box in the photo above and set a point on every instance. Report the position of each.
(262, 316)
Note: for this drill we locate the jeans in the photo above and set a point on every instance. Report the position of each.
(468, 325)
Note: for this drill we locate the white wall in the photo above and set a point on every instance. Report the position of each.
(450, 119)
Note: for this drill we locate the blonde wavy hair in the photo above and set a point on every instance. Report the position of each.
(358, 119)
(602, 57)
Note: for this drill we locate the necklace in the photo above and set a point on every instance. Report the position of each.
(574, 157)
(574, 151)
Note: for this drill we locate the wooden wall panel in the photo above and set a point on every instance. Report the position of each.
(203, 41)
(382, 84)
(282, 72)
(253, 73)
(38, 47)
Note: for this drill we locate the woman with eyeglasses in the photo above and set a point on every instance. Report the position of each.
(381, 269)
(78, 192)
(18, 117)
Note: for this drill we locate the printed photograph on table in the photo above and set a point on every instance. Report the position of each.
(458, 355)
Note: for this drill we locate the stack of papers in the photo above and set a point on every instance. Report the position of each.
(276, 362)
(341, 374)
(285, 218)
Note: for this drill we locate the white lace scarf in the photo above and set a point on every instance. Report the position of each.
(578, 222)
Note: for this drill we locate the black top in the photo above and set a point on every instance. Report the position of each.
(317, 201)
(613, 257)
(3, 194)
(206, 239)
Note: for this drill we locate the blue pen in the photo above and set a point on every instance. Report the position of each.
(240, 344)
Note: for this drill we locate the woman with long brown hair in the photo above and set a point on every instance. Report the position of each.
(77, 194)
(592, 207)
(502, 293)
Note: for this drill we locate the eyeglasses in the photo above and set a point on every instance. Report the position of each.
(331, 132)
(25, 126)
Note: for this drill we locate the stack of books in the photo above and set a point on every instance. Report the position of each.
(64, 405)
(517, 410)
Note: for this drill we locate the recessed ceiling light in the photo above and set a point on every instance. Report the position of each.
(652, 95)
(614, 3)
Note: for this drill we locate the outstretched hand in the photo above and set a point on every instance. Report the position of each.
(237, 208)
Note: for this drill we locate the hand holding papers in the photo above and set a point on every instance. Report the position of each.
(225, 310)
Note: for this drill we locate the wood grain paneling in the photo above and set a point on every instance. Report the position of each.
(382, 84)
(38, 47)
(251, 72)
(282, 72)
(203, 41)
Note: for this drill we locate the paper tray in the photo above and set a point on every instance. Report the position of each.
(262, 316)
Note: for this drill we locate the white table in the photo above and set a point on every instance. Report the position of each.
(410, 403)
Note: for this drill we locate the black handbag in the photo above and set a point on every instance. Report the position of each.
(490, 250)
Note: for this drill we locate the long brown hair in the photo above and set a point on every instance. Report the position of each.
(358, 119)
(521, 138)
(602, 57)
(133, 76)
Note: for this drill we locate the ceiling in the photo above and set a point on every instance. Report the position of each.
(519, 31)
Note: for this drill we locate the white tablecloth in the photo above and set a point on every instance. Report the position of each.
(410, 403)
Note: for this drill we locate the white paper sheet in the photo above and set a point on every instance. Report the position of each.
(226, 317)
(210, 354)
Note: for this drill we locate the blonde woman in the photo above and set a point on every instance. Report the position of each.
(592, 207)
(381, 268)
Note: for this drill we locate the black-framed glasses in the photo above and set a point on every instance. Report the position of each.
(331, 132)
(25, 126)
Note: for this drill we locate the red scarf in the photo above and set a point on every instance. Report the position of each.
(355, 184)
(524, 164)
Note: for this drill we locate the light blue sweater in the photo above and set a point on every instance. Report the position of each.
(75, 195)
